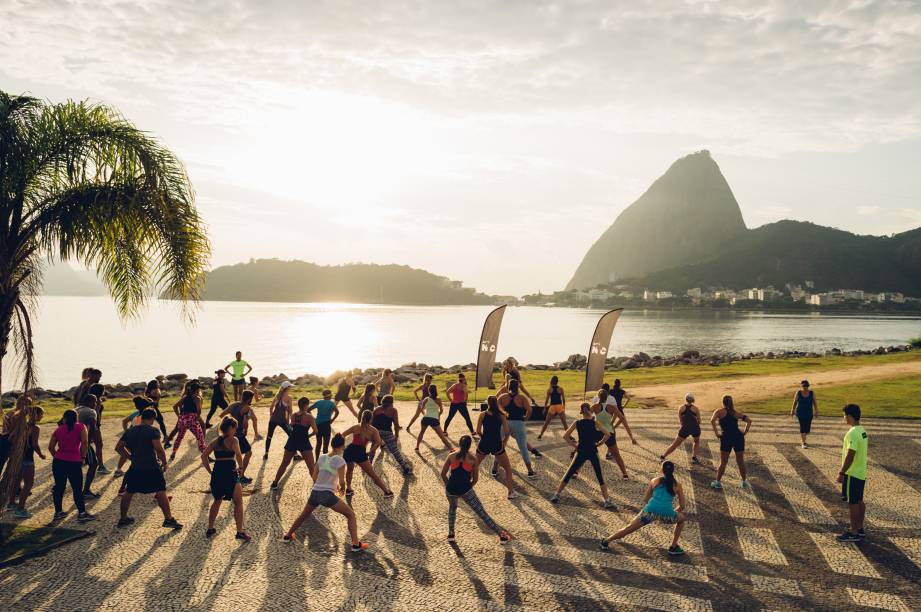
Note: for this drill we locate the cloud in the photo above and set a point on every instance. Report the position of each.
(869, 211)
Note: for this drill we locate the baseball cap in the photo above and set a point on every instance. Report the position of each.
(286, 384)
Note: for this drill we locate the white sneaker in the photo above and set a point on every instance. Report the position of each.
(513, 495)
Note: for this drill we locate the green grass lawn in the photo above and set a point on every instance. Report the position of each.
(896, 398)
(573, 380)
(21, 540)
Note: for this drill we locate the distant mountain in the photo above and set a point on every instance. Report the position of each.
(793, 251)
(273, 280)
(61, 278)
(687, 231)
(655, 232)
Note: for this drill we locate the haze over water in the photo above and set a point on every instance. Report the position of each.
(74, 332)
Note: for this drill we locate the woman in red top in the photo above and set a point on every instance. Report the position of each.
(457, 396)
(357, 452)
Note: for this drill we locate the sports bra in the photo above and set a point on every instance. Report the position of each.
(222, 453)
(382, 421)
(515, 412)
(556, 398)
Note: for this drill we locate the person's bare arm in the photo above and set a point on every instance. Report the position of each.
(567, 435)
(713, 421)
(235, 446)
(547, 399)
(122, 450)
(207, 453)
(679, 491)
(52, 445)
(507, 430)
(84, 443)
(748, 423)
(35, 444)
(846, 464)
(161, 454)
(815, 405)
(375, 440)
(479, 425)
(444, 469)
(793, 407)
(648, 494)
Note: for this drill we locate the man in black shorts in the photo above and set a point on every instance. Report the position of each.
(141, 444)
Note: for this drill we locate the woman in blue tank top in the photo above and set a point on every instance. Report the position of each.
(658, 505)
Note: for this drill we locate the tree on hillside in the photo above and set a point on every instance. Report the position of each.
(78, 181)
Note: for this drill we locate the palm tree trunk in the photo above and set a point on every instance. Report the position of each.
(17, 430)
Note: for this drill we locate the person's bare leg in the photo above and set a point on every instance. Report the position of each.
(366, 467)
(604, 491)
(444, 437)
(348, 475)
(309, 461)
(125, 504)
(163, 502)
(422, 429)
(563, 421)
(546, 424)
(212, 513)
(615, 452)
(245, 463)
(696, 451)
(303, 516)
(678, 527)
(674, 445)
(632, 526)
(724, 459)
(285, 461)
(740, 461)
(506, 465)
(238, 507)
(343, 508)
(28, 479)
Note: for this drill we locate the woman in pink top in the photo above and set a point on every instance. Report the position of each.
(68, 447)
(457, 395)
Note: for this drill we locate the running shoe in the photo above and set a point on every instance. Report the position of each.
(117, 474)
(609, 456)
(349, 492)
(21, 513)
(85, 517)
(359, 547)
(11, 506)
(273, 486)
(258, 437)
(494, 471)
(124, 521)
(661, 457)
(504, 538)
(90, 495)
(609, 504)
(290, 538)
(626, 477)
(242, 535)
(207, 425)
(265, 456)
(604, 545)
(172, 458)
(167, 444)
(555, 499)
(847, 536)
(103, 469)
(745, 485)
(536, 453)
(172, 523)
(58, 516)
(716, 484)
(246, 480)
(695, 460)
(804, 445)
(388, 494)
(513, 495)
(532, 474)
(299, 458)
(408, 472)
(675, 551)
(451, 537)
(210, 532)
(861, 533)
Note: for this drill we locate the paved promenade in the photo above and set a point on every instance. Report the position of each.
(771, 547)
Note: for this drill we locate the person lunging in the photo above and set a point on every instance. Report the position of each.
(460, 473)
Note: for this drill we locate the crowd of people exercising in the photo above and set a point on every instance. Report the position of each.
(331, 453)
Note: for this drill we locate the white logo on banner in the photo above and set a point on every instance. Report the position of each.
(486, 347)
(598, 349)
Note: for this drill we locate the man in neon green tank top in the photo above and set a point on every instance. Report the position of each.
(238, 370)
(853, 474)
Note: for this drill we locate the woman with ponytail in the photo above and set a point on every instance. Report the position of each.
(591, 436)
(658, 505)
(357, 452)
(554, 404)
(387, 423)
(460, 473)
(492, 427)
(431, 407)
(68, 447)
(731, 439)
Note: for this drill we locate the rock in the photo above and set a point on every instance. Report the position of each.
(692, 354)
(176, 376)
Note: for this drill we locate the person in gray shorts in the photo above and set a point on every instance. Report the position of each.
(329, 471)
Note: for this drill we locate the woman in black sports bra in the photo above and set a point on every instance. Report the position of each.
(387, 422)
(225, 482)
(555, 405)
(302, 426)
(490, 427)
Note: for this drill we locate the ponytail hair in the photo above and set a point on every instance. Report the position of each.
(492, 405)
(464, 446)
(668, 470)
(728, 405)
(70, 418)
(585, 408)
(554, 381)
(433, 392)
(365, 417)
(513, 386)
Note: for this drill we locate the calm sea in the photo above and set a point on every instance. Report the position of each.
(74, 332)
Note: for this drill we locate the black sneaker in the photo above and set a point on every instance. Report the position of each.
(675, 551)
(210, 532)
(861, 534)
(494, 471)
(90, 495)
(359, 547)
(124, 521)
(172, 524)
(242, 535)
(85, 517)
(536, 453)
(272, 486)
(167, 444)
(59, 516)
(847, 536)
(246, 480)
(603, 544)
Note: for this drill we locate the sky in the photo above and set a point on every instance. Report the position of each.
(491, 142)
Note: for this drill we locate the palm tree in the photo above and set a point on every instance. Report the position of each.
(78, 181)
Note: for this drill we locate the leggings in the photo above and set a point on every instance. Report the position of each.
(92, 463)
(390, 443)
(458, 408)
(324, 433)
(580, 458)
(64, 472)
(272, 426)
(189, 420)
(160, 421)
(474, 502)
(216, 402)
(520, 433)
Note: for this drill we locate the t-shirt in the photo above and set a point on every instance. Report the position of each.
(328, 472)
(88, 417)
(238, 366)
(608, 402)
(139, 440)
(856, 439)
(325, 409)
(618, 395)
(69, 442)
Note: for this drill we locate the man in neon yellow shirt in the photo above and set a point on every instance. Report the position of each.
(238, 370)
(853, 474)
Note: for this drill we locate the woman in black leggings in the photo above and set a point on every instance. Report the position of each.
(586, 449)
(152, 392)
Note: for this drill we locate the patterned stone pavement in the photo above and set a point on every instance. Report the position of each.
(771, 547)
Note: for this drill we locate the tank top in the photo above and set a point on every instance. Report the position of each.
(382, 421)
(492, 426)
(221, 453)
(515, 412)
(367, 403)
(343, 390)
(606, 419)
(299, 432)
(188, 405)
(278, 412)
(661, 502)
(217, 390)
(687, 418)
(459, 481)
(69, 442)
(359, 440)
(804, 404)
(588, 435)
(431, 408)
(556, 398)
(458, 395)
(385, 388)
(730, 425)
(28, 455)
(236, 411)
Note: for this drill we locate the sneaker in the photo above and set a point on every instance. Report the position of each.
(555, 499)
(11, 506)
(609, 504)
(408, 472)
(494, 471)
(58, 516)
(117, 474)
(675, 551)
(626, 477)
(299, 458)
(513, 495)
(273, 486)
(21, 513)
(90, 495)
(504, 538)
(167, 444)
(359, 547)
(716, 484)
(745, 485)
(661, 457)
(102, 469)
(210, 532)
(388, 494)
(207, 425)
(172, 458)
(804, 445)
(246, 480)
(609, 456)
(242, 535)
(124, 521)
(695, 460)
(265, 456)
(861, 534)
(604, 545)
(532, 474)
(85, 517)
(536, 453)
(172, 523)
(847, 536)
(451, 537)
(349, 492)
(290, 538)
(257, 438)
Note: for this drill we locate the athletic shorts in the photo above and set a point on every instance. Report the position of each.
(612, 439)
(431, 421)
(689, 432)
(852, 489)
(484, 448)
(245, 446)
(323, 498)
(556, 409)
(144, 480)
(238, 382)
(732, 443)
(355, 453)
(805, 425)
